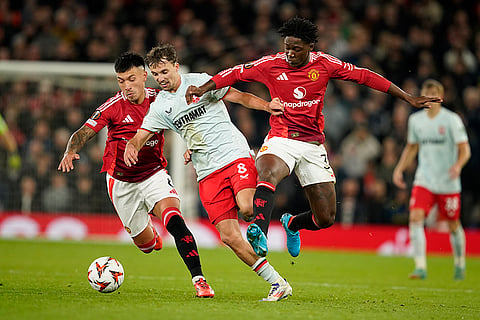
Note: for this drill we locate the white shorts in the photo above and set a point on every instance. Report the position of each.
(309, 160)
(134, 200)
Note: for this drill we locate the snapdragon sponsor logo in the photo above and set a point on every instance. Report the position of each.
(301, 104)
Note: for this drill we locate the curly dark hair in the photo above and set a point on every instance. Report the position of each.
(164, 51)
(128, 60)
(299, 28)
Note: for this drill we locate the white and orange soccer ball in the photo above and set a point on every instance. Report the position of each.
(105, 274)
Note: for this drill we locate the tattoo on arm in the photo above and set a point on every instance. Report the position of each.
(79, 138)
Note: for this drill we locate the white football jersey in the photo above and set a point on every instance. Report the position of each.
(437, 139)
(205, 125)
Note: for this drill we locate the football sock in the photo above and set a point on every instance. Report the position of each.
(148, 247)
(263, 202)
(418, 242)
(265, 270)
(457, 240)
(303, 220)
(184, 240)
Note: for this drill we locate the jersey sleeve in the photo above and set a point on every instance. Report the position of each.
(154, 120)
(99, 118)
(458, 129)
(216, 94)
(249, 72)
(411, 135)
(346, 71)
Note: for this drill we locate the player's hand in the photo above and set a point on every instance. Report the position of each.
(66, 164)
(398, 179)
(187, 156)
(130, 156)
(193, 91)
(424, 102)
(454, 171)
(275, 107)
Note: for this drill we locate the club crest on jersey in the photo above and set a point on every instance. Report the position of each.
(195, 99)
(441, 130)
(313, 75)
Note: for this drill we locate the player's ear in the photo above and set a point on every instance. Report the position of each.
(177, 66)
(145, 75)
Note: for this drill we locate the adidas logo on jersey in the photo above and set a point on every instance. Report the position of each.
(283, 76)
(127, 119)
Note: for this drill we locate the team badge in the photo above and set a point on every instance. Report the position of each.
(441, 130)
(96, 115)
(313, 75)
(264, 148)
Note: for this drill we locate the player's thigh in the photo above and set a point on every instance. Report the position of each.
(276, 159)
(128, 202)
(421, 203)
(242, 175)
(313, 166)
(244, 199)
(449, 206)
(217, 197)
(159, 189)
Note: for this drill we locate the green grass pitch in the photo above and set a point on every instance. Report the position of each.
(48, 280)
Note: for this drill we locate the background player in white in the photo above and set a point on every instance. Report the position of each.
(440, 139)
(299, 78)
(220, 153)
(147, 188)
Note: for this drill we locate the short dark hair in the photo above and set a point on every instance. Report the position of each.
(164, 51)
(299, 28)
(127, 60)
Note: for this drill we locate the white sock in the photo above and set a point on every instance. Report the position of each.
(266, 271)
(196, 278)
(418, 242)
(457, 240)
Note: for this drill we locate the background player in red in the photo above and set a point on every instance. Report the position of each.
(299, 78)
(146, 188)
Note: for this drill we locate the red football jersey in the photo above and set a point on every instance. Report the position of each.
(301, 90)
(123, 119)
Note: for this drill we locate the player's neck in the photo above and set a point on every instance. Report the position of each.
(434, 110)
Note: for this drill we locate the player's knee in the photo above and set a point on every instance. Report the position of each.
(247, 213)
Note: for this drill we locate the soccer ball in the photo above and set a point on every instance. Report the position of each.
(105, 274)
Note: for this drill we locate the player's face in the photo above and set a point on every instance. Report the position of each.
(431, 92)
(132, 84)
(166, 74)
(297, 51)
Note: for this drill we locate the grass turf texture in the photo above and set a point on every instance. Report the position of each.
(48, 280)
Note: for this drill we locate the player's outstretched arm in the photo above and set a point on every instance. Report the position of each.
(199, 91)
(130, 156)
(408, 154)
(275, 107)
(74, 145)
(417, 102)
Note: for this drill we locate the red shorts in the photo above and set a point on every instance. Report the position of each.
(448, 204)
(218, 189)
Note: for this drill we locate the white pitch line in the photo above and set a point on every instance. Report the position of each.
(360, 286)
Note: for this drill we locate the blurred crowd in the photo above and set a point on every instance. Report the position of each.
(406, 41)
